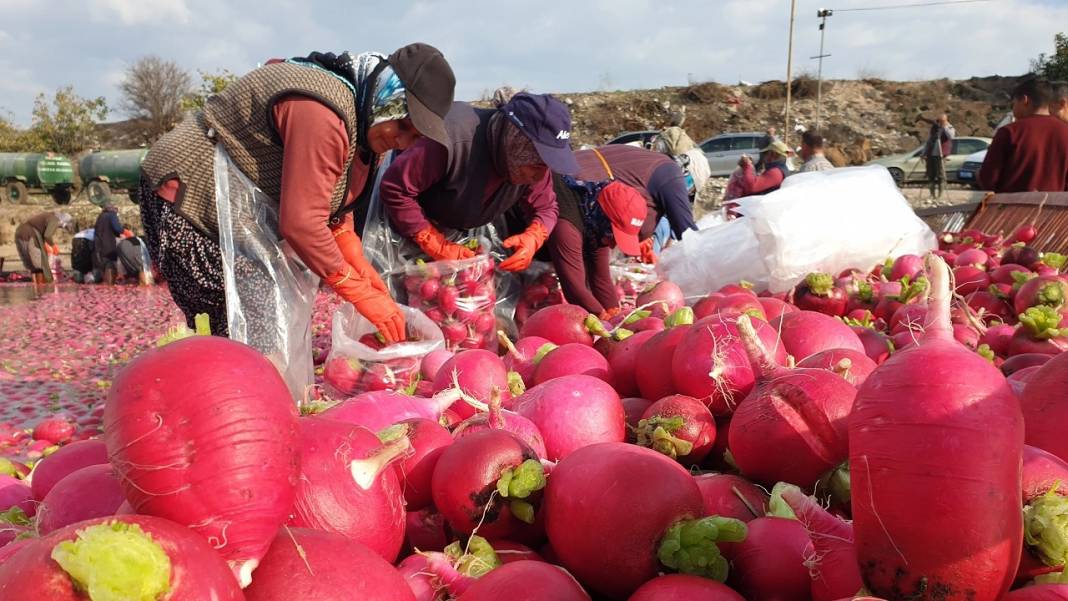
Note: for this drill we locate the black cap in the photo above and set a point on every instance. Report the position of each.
(429, 85)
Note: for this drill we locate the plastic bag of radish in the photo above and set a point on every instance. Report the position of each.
(541, 288)
(359, 360)
(459, 296)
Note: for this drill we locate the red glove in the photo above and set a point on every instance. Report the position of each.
(127, 234)
(648, 256)
(351, 248)
(525, 245)
(373, 304)
(434, 244)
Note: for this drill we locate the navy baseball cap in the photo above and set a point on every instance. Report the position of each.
(547, 123)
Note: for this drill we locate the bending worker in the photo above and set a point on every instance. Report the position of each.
(308, 133)
(106, 234)
(594, 218)
(36, 245)
(655, 176)
(497, 159)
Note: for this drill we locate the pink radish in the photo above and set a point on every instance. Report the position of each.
(877, 345)
(631, 547)
(662, 298)
(731, 305)
(908, 266)
(806, 333)
(989, 306)
(833, 563)
(1040, 331)
(653, 372)
(129, 557)
(970, 279)
(908, 318)
(1049, 291)
(526, 581)
(383, 408)
(572, 359)
(1045, 407)
(1003, 274)
(509, 552)
(732, 496)
(681, 587)
(710, 362)
(66, 460)
(678, 426)
(425, 530)
(320, 566)
(1017, 362)
(792, 426)
(953, 461)
(623, 360)
(561, 324)
(349, 486)
(225, 464)
(438, 576)
(520, 357)
(478, 373)
(16, 493)
(432, 362)
(633, 408)
(848, 363)
(91, 492)
(972, 257)
(572, 412)
(497, 418)
(769, 564)
(1039, 592)
(998, 338)
(428, 440)
(54, 430)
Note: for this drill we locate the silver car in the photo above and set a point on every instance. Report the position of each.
(724, 151)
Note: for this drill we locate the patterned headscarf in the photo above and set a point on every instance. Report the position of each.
(519, 151)
(596, 225)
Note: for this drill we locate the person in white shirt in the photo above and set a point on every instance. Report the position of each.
(812, 153)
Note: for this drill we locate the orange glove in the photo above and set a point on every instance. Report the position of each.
(525, 245)
(648, 256)
(434, 244)
(351, 248)
(127, 234)
(51, 249)
(373, 304)
(608, 314)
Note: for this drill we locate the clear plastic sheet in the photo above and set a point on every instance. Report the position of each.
(270, 293)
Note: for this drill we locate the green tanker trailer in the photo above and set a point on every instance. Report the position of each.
(22, 171)
(106, 170)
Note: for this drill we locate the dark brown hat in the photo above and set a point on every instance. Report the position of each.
(429, 85)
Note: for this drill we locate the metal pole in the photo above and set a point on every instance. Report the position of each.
(822, 14)
(789, 69)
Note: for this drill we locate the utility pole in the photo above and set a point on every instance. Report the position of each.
(822, 14)
(789, 69)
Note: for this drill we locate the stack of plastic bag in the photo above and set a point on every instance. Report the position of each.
(824, 221)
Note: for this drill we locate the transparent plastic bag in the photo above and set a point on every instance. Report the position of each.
(270, 293)
(358, 363)
(460, 296)
(631, 278)
(540, 289)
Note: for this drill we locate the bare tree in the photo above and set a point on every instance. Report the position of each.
(153, 93)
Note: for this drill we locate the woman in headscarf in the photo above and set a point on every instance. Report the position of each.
(499, 159)
(308, 133)
(107, 232)
(36, 245)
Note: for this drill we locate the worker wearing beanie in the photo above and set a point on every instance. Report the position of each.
(498, 159)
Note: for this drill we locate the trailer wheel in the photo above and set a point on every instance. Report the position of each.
(61, 196)
(98, 192)
(17, 193)
(135, 195)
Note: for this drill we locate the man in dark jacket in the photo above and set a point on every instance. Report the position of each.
(106, 234)
(938, 146)
(1031, 154)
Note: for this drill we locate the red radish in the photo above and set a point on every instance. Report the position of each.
(128, 557)
(966, 335)
(1039, 592)
(1018, 379)
(1040, 332)
(890, 301)
(572, 359)
(1017, 362)
(10, 549)
(1045, 407)
(526, 581)
(732, 305)
(520, 356)
(478, 373)
(740, 288)
(678, 426)
(877, 345)
(850, 364)
(908, 318)
(653, 372)
(91, 492)
(623, 362)
(662, 298)
(817, 292)
(707, 305)
(437, 576)
(710, 362)
(54, 430)
(647, 324)
(806, 333)
(172, 422)
(1025, 234)
(483, 483)
(425, 530)
(970, 279)
(63, 462)
(1003, 274)
(973, 257)
(833, 564)
(510, 552)
(1045, 500)
(383, 408)
(561, 324)
(320, 566)
(906, 266)
(773, 307)
(989, 306)
(349, 486)
(501, 419)
(1020, 255)
(681, 587)
(732, 496)
(1049, 291)
(424, 584)
(428, 440)
(16, 493)
(630, 546)
(1042, 471)
(572, 412)
(792, 426)
(769, 564)
(633, 408)
(955, 461)
(432, 362)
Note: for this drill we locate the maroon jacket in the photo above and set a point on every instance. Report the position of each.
(1030, 155)
(585, 273)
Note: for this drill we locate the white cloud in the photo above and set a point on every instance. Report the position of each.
(139, 12)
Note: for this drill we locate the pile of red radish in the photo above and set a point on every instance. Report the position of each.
(891, 434)
(460, 297)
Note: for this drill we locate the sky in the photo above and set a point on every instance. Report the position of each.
(546, 46)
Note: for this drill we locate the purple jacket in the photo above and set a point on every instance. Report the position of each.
(461, 187)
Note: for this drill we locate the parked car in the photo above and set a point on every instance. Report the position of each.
(969, 171)
(724, 151)
(642, 139)
(909, 167)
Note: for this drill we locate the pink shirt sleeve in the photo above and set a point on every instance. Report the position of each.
(542, 201)
(316, 146)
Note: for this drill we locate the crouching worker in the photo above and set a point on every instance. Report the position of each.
(106, 235)
(594, 218)
(36, 245)
(81, 256)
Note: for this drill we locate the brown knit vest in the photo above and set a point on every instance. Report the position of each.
(241, 118)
